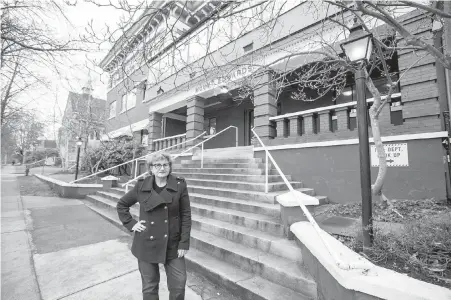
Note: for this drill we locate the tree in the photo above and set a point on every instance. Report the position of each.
(324, 73)
(29, 45)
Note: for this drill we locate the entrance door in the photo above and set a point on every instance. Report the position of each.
(248, 124)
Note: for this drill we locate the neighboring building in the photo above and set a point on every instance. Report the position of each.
(315, 142)
(84, 117)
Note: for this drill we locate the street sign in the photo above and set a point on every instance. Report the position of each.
(397, 155)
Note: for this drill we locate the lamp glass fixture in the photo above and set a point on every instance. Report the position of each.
(358, 49)
(79, 143)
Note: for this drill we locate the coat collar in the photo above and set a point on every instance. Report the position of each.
(172, 183)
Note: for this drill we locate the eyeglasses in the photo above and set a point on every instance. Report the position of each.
(158, 166)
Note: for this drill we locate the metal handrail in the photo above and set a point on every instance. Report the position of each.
(35, 162)
(202, 155)
(340, 263)
(169, 137)
(203, 142)
(136, 159)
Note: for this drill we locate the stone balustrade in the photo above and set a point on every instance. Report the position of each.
(335, 121)
(163, 143)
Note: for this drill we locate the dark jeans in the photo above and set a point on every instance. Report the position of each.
(176, 275)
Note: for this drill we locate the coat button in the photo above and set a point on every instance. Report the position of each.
(165, 235)
(152, 223)
(151, 237)
(165, 207)
(165, 221)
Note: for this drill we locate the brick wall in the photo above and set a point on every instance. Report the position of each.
(421, 109)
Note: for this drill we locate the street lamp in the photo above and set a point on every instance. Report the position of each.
(358, 49)
(79, 143)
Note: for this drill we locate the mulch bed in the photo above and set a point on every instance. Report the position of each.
(32, 186)
(398, 265)
(409, 209)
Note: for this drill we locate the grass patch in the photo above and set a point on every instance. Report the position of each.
(422, 250)
(32, 186)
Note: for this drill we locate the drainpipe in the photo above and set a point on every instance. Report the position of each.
(444, 101)
(447, 46)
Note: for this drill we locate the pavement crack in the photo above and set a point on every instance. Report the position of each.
(98, 283)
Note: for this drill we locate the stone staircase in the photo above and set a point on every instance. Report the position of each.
(237, 239)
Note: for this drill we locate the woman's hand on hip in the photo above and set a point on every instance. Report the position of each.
(139, 226)
(182, 252)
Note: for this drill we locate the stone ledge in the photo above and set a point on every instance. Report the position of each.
(70, 190)
(372, 283)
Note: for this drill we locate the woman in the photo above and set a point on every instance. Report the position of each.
(163, 232)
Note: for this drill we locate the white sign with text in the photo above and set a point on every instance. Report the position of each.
(397, 155)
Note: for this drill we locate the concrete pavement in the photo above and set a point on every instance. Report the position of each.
(57, 248)
(18, 274)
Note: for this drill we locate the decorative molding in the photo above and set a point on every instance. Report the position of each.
(325, 108)
(395, 138)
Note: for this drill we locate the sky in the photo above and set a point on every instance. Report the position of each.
(49, 102)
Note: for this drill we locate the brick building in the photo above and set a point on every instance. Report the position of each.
(84, 117)
(174, 90)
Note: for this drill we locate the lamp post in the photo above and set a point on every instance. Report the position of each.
(79, 143)
(358, 50)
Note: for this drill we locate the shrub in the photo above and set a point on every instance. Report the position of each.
(422, 249)
(110, 154)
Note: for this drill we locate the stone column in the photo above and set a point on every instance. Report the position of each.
(308, 124)
(295, 126)
(281, 128)
(324, 121)
(154, 128)
(384, 117)
(342, 118)
(194, 119)
(264, 107)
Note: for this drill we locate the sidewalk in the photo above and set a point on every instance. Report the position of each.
(57, 248)
(18, 276)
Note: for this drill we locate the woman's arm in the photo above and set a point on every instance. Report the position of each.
(123, 207)
(185, 219)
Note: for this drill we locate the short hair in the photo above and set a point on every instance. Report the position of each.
(158, 156)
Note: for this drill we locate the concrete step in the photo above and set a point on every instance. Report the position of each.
(232, 177)
(229, 152)
(246, 186)
(249, 220)
(271, 267)
(261, 208)
(263, 241)
(241, 283)
(224, 160)
(242, 171)
(197, 164)
(109, 205)
(241, 194)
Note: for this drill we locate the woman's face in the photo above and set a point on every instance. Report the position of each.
(161, 168)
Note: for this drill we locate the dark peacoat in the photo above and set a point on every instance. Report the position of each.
(167, 216)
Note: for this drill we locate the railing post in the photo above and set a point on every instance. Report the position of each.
(202, 157)
(236, 138)
(266, 172)
(126, 188)
(136, 168)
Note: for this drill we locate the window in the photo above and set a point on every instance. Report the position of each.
(124, 103)
(128, 101)
(248, 47)
(112, 109)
